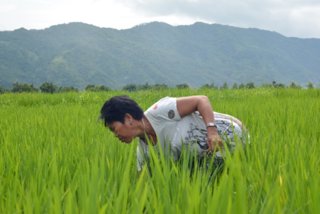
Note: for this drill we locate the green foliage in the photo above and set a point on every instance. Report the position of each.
(235, 86)
(182, 86)
(209, 86)
(48, 87)
(294, 85)
(224, 86)
(67, 89)
(310, 85)
(250, 85)
(2, 90)
(77, 54)
(146, 86)
(55, 157)
(277, 85)
(23, 87)
(130, 87)
(159, 86)
(97, 88)
(242, 86)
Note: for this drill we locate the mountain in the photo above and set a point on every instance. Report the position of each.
(79, 54)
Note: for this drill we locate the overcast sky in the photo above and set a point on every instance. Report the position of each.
(298, 18)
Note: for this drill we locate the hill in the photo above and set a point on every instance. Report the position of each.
(79, 54)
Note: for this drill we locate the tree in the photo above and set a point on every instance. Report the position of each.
(250, 85)
(183, 85)
(159, 86)
(235, 86)
(23, 87)
(144, 86)
(310, 85)
(2, 90)
(209, 86)
(130, 87)
(294, 85)
(91, 87)
(241, 86)
(68, 89)
(224, 86)
(48, 87)
(277, 85)
(102, 88)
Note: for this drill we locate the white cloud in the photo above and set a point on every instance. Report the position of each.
(299, 18)
(289, 17)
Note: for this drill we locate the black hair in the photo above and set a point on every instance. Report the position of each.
(117, 107)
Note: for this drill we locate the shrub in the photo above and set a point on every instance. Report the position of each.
(48, 87)
(23, 87)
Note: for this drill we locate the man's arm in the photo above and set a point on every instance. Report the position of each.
(201, 103)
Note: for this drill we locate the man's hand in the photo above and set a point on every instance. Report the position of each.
(214, 140)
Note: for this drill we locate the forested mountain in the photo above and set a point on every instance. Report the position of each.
(79, 54)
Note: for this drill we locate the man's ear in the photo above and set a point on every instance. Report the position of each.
(128, 119)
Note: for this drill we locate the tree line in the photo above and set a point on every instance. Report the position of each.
(49, 87)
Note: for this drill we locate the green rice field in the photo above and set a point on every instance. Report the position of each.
(57, 157)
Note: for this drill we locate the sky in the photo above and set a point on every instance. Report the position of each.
(292, 18)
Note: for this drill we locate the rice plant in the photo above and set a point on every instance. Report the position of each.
(57, 157)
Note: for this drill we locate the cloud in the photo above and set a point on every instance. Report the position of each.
(39, 14)
(292, 18)
(300, 18)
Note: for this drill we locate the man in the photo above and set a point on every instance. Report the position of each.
(172, 124)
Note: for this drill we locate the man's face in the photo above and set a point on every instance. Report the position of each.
(123, 131)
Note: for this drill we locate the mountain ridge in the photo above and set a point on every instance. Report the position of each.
(78, 54)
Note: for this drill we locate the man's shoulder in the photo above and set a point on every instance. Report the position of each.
(162, 104)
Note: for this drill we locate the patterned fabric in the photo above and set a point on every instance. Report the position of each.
(190, 133)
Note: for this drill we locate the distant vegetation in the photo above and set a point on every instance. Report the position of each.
(78, 54)
(49, 87)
